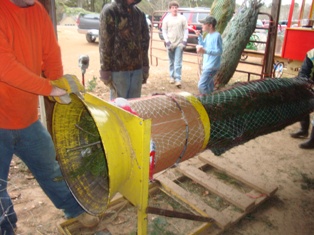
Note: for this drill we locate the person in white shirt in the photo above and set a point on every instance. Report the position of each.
(175, 33)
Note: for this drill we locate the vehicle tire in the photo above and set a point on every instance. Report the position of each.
(90, 38)
(278, 70)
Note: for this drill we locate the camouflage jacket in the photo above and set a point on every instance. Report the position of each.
(307, 68)
(123, 37)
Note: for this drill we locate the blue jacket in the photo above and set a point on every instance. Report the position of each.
(212, 43)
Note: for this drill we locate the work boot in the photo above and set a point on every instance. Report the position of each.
(310, 143)
(88, 220)
(304, 131)
(301, 134)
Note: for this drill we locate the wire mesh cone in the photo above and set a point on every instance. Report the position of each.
(91, 191)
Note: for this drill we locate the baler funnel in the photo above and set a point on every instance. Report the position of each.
(97, 166)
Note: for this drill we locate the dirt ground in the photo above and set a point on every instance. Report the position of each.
(274, 158)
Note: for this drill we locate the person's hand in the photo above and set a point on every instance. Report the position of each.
(69, 83)
(59, 95)
(145, 74)
(197, 32)
(168, 45)
(182, 45)
(56, 91)
(200, 49)
(64, 86)
(106, 77)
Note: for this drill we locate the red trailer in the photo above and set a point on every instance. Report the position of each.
(299, 37)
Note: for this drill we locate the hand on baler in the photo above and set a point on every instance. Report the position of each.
(70, 84)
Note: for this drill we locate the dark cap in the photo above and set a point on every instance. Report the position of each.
(209, 20)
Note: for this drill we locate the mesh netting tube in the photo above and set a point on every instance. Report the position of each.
(248, 110)
(180, 126)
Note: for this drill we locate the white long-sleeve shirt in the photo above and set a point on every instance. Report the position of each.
(175, 29)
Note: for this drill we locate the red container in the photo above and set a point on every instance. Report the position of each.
(297, 42)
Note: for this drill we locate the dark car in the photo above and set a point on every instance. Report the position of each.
(88, 24)
(87, 21)
(192, 15)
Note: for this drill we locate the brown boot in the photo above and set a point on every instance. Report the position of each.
(88, 220)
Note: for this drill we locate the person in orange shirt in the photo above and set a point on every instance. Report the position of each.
(28, 48)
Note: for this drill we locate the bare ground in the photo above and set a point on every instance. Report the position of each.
(274, 158)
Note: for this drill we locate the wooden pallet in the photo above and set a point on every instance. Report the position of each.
(245, 202)
(73, 227)
(199, 170)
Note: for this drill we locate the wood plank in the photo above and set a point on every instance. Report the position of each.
(235, 216)
(193, 201)
(231, 170)
(205, 229)
(218, 187)
(173, 174)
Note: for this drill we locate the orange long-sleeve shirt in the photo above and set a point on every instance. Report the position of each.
(28, 46)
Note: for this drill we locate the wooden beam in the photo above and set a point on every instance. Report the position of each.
(269, 58)
(50, 6)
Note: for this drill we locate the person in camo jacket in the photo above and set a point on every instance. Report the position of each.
(307, 73)
(123, 47)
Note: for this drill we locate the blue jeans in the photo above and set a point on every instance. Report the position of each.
(175, 63)
(206, 82)
(127, 84)
(34, 146)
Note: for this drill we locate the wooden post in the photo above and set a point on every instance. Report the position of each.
(47, 106)
(269, 58)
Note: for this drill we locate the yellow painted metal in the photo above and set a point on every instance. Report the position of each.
(202, 114)
(135, 189)
(135, 186)
(66, 138)
(126, 143)
(112, 124)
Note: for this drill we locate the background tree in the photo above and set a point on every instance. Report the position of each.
(235, 38)
(223, 11)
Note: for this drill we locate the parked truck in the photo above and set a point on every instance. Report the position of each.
(88, 24)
